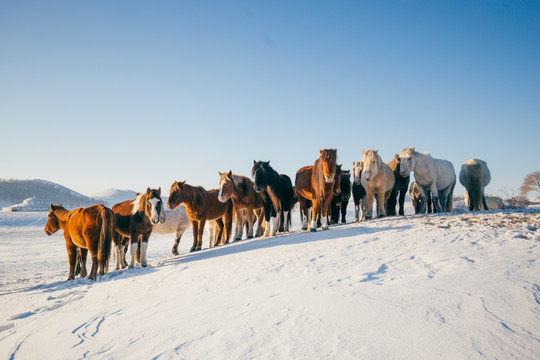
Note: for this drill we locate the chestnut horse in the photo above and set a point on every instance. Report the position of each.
(401, 187)
(378, 180)
(202, 205)
(277, 194)
(134, 221)
(315, 183)
(87, 229)
(244, 197)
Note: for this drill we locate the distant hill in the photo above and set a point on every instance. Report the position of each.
(15, 191)
(112, 196)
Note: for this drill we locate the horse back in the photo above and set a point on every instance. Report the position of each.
(303, 183)
(212, 207)
(124, 207)
(85, 224)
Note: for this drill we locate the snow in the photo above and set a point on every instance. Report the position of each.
(445, 286)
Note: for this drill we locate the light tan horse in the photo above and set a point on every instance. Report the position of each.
(88, 229)
(245, 200)
(378, 180)
(475, 176)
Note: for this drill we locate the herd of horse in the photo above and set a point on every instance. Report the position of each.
(322, 190)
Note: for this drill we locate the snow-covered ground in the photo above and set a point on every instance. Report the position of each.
(449, 286)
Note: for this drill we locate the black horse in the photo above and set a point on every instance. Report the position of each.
(340, 201)
(277, 194)
(401, 186)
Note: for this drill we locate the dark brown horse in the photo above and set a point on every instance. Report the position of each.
(87, 229)
(134, 221)
(277, 194)
(401, 186)
(340, 201)
(244, 197)
(316, 184)
(202, 205)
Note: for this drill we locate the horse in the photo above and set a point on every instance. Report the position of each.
(177, 221)
(401, 186)
(85, 229)
(340, 201)
(316, 183)
(277, 195)
(134, 221)
(435, 175)
(358, 192)
(202, 205)
(475, 176)
(493, 202)
(244, 197)
(378, 180)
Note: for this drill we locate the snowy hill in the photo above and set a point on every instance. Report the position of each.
(442, 286)
(15, 191)
(113, 196)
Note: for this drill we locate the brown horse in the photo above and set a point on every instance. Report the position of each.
(244, 197)
(202, 205)
(134, 221)
(88, 229)
(316, 184)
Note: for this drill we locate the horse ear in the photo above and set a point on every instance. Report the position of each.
(183, 182)
(321, 151)
(413, 150)
(159, 191)
(254, 162)
(148, 191)
(229, 174)
(52, 206)
(397, 157)
(219, 172)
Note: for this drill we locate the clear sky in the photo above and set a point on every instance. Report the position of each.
(134, 94)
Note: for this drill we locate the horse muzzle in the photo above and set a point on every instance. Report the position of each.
(258, 188)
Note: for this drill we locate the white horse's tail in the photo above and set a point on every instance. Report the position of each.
(475, 187)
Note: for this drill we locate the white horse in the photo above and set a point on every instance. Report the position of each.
(493, 202)
(177, 221)
(378, 180)
(475, 176)
(435, 175)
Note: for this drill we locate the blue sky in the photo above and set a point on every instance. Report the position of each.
(136, 94)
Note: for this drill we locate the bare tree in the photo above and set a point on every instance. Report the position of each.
(531, 182)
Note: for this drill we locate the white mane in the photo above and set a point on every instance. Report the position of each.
(136, 203)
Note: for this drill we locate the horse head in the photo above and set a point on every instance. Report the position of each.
(407, 162)
(329, 158)
(53, 225)
(370, 163)
(153, 206)
(258, 172)
(337, 183)
(226, 186)
(357, 171)
(176, 194)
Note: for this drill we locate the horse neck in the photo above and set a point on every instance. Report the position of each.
(63, 216)
(194, 195)
(274, 188)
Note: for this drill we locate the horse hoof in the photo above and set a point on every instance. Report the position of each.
(313, 230)
(250, 237)
(356, 220)
(144, 264)
(304, 228)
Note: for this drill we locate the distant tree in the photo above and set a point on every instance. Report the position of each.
(531, 182)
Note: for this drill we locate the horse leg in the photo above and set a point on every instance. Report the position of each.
(133, 247)
(402, 194)
(175, 245)
(314, 213)
(343, 209)
(250, 221)
(195, 228)
(267, 211)
(435, 197)
(369, 210)
(240, 220)
(144, 248)
(83, 254)
(93, 271)
(356, 210)
(274, 221)
(303, 212)
(200, 234)
(391, 203)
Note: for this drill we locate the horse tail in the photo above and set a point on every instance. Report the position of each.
(475, 187)
(449, 203)
(105, 238)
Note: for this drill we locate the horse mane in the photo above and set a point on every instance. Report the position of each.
(137, 203)
(195, 194)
